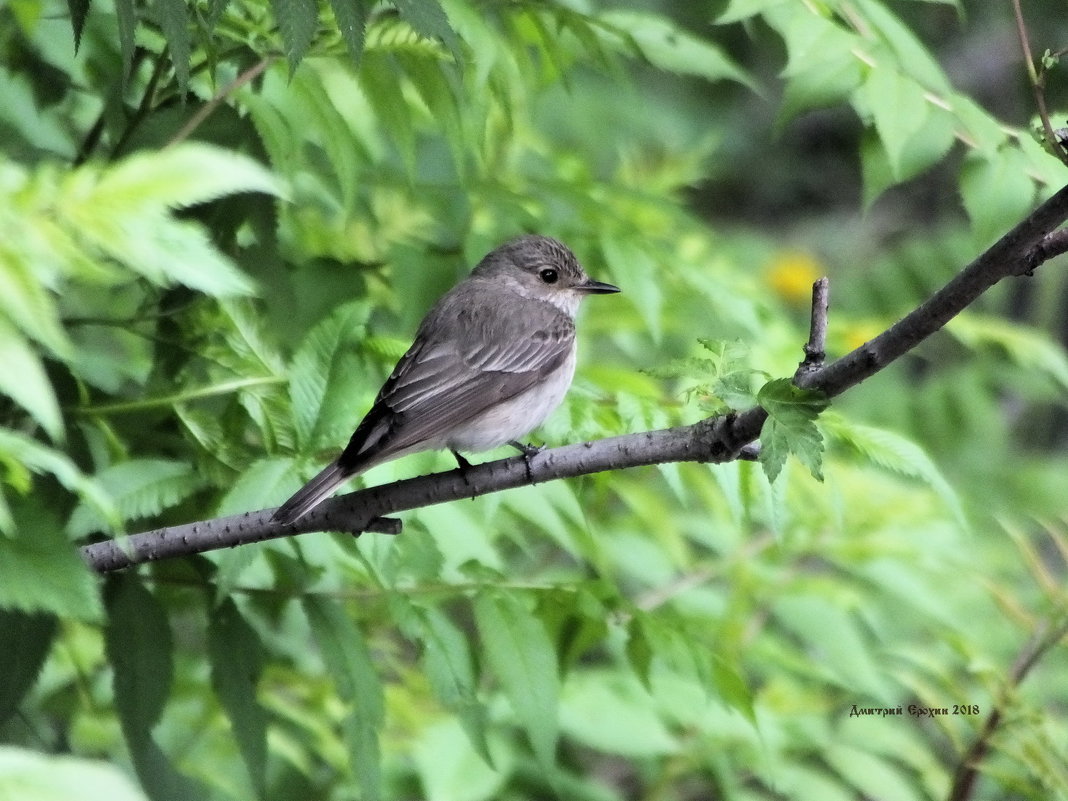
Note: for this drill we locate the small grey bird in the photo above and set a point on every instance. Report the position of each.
(491, 360)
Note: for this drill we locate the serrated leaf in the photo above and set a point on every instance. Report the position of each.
(34, 457)
(349, 661)
(912, 56)
(1025, 346)
(450, 671)
(668, 47)
(892, 451)
(237, 657)
(27, 303)
(326, 376)
(898, 108)
(790, 427)
(78, 9)
(139, 488)
(428, 19)
(518, 649)
(23, 379)
(351, 18)
(26, 640)
(174, 22)
(41, 571)
(180, 176)
(297, 21)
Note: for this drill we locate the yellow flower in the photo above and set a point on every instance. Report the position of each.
(791, 275)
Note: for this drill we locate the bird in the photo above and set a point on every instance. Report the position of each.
(490, 361)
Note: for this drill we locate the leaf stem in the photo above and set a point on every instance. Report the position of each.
(147, 404)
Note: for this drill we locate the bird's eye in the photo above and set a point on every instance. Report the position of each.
(549, 276)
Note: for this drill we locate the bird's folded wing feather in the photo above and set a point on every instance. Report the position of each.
(457, 369)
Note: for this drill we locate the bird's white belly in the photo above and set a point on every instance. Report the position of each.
(514, 418)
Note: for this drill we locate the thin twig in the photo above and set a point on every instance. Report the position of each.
(206, 110)
(967, 773)
(1038, 85)
(816, 347)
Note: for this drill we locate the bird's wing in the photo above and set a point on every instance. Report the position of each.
(461, 364)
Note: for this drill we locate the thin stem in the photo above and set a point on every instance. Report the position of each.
(1037, 81)
(147, 404)
(206, 110)
(816, 347)
(1045, 637)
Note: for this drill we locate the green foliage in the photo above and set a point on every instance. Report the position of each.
(26, 776)
(220, 223)
(790, 427)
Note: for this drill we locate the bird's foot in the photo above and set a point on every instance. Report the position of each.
(529, 452)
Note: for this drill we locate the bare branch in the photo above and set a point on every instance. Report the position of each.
(716, 439)
(815, 348)
(1045, 637)
(1037, 79)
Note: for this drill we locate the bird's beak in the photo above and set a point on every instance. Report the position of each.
(597, 287)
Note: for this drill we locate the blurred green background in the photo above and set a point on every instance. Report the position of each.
(220, 223)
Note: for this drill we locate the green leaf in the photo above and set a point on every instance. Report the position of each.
(28, 776)
(28, 304)
(822, 66)
(790, 427)
(428, 19)
(351, 18)
(521, 654)
(40, 570)
(180, 176)
(450, 671)
(872, 775)
(297, 20)
(349, 662)
(237, 656)
(174, 22)
(833, 637)
(614, 714)
(898, 108)
(26, 641)
(126, 17)
(911, 55)
(1025, 346)
(327, 375)
(997, 192)
(139, 647)
(140, 488)
(892, 451)
(668, 47)
(23, 454)
(23, 379)
(78, 10)
(381, 84)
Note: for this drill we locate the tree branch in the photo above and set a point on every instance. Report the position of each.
(967, 774)
(716, 439)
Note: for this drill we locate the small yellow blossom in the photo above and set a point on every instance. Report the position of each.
(791, 274)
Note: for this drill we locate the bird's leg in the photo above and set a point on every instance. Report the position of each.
(529, 452)
(460, 460)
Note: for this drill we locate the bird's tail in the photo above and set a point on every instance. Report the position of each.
(311, 494)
